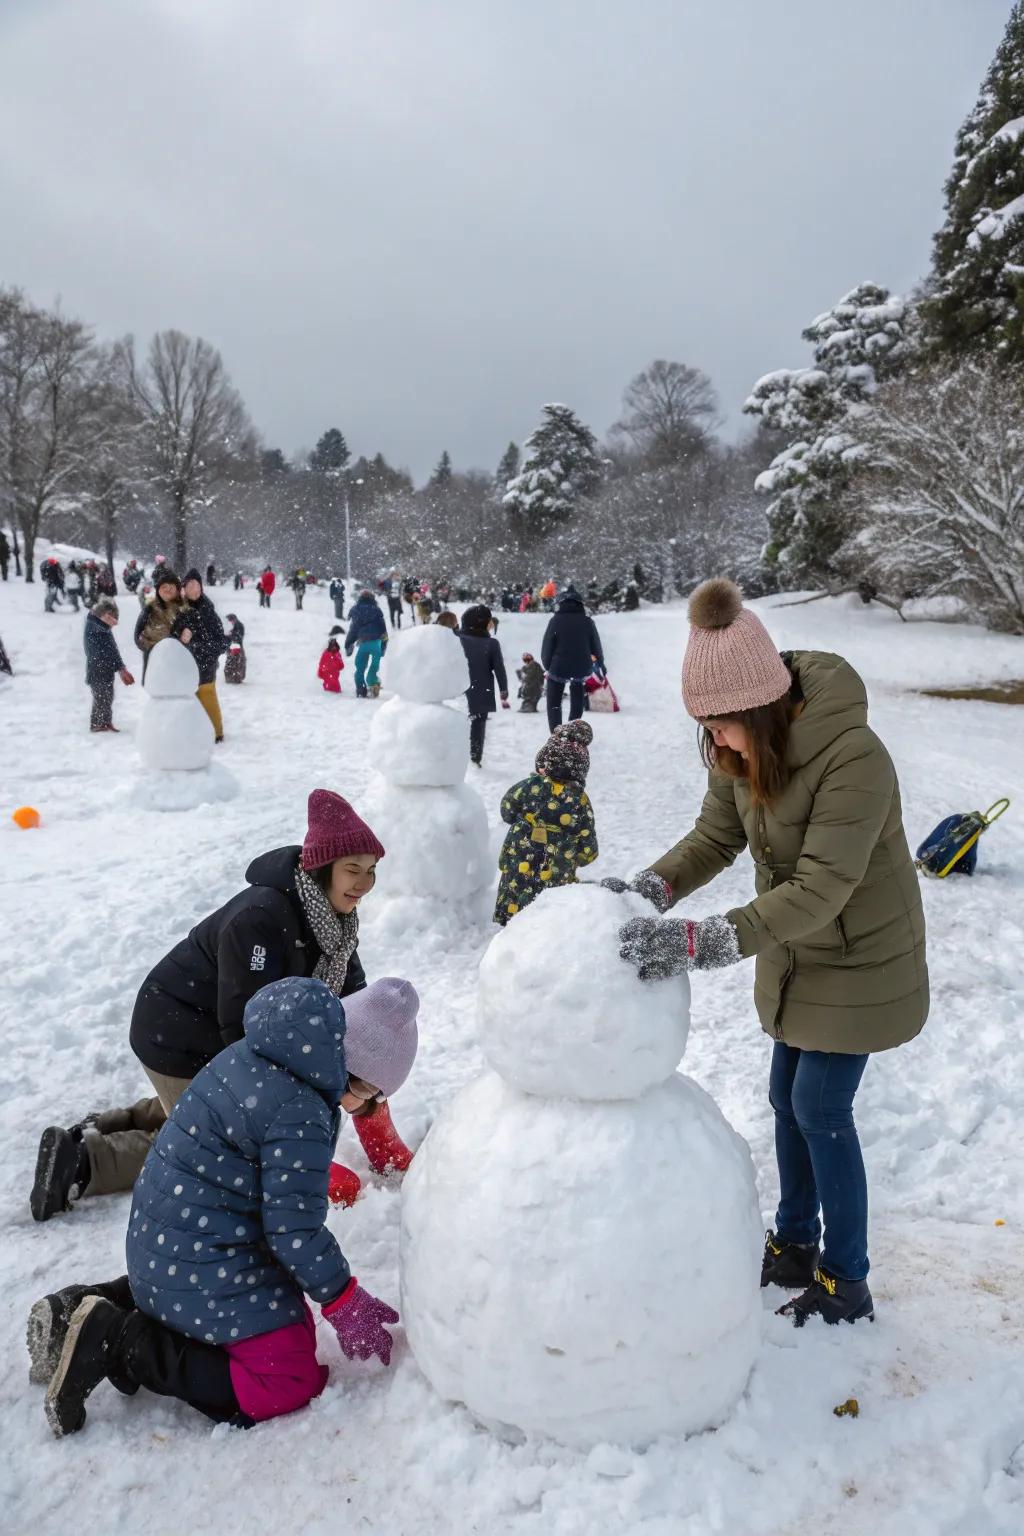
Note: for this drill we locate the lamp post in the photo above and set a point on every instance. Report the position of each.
(348, 535)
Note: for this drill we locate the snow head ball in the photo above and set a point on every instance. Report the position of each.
(171, 672)
(561, 1014)
(425, 664)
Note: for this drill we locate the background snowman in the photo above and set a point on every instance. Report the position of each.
(581, 1239)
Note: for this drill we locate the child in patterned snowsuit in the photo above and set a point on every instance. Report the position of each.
(551, 822)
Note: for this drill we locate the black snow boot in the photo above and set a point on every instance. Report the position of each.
(49, 1318)
(63, 1171)
(835, 1300)
(92, 1350)
(788, 1264)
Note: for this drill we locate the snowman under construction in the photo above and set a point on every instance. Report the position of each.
(581, 1239)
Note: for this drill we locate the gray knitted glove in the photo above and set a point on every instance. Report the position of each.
(657, 891)
(663, 947)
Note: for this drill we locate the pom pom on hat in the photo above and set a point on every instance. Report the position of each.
(715, 604)
(731, 662)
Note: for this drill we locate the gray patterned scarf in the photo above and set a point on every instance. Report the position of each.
(337, 933)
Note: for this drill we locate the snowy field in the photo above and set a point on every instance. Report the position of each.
(96, 895)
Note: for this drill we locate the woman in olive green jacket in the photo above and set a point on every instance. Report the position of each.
(797, 776)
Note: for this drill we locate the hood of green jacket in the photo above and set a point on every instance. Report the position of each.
(835, 701)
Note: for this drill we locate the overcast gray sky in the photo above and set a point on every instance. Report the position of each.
(419, 220)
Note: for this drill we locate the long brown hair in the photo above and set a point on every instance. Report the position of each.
(765, 767)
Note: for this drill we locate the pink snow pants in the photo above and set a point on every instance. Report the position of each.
(277, 1372)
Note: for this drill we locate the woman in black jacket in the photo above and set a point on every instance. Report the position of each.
(570, 652)
(486, 663)
(297, 916)
(200, 628)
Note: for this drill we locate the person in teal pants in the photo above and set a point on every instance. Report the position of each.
(367, 631)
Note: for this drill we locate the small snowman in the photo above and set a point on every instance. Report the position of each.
(581, 1239)
(175, 736)
(434, 824)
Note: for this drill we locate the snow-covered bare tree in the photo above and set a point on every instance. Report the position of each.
(561, 467)
(49, 402)
(669, 412)
(975, 297)
(197, 424)
(943, 504)
(859, 343)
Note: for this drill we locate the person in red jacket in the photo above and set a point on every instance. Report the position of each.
(265, 586)
(332, 664)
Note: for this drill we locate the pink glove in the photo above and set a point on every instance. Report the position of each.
(504, 702)
(358, 1319)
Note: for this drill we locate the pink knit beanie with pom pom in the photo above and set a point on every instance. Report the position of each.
(731, 662)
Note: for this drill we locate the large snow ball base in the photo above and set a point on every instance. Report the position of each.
(585, 1271)
(584, 1025)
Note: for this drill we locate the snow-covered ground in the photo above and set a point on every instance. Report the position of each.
(95, 896)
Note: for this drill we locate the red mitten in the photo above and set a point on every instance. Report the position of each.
(385, 1150)
(343, 1185)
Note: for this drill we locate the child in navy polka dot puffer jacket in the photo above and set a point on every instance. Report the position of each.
(227, 1235)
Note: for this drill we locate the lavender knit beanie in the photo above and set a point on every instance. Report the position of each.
(380, 1033)
(731, 661)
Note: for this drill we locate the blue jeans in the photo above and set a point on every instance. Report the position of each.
(819, 1156)
(367, 651)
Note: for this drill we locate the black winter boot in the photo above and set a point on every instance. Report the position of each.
(788, 1264)
(63, 1171)
(49, 1318)
(835, 1300)
(91, 1352)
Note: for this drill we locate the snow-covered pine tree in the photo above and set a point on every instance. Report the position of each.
(560, 467)
(975, 296)
(508, 468)
(442, 475)
(859, 343)
(330, 454)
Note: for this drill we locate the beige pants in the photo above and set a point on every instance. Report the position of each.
(120, 1139)
(206, 693)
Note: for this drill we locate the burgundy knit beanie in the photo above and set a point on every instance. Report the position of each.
(731, 661)
(335, 831)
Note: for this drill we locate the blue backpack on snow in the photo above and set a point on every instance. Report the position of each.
(953, 847)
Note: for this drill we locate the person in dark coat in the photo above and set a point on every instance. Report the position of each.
(336, 592)
(531, 684)
(296, 917)
(235, 661)
(131, 576)
(200, 628)
(486, 664)
(367, 631)
(228, 1230)
(550, 820)
(52, 573)
(211, 575)
(106, 586)
(5, 554)
(570, 652)
(103, 663)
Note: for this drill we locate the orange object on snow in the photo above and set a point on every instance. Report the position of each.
(25, 816)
